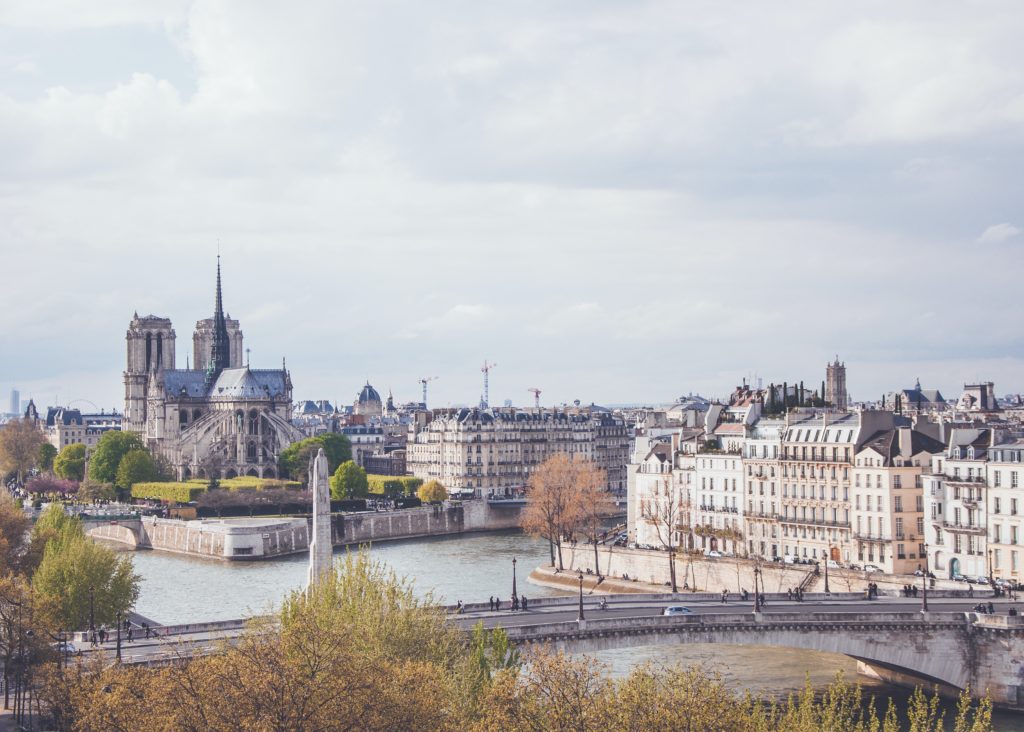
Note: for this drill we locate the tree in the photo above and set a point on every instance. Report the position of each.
(595, 505)
(552, 505)
(14, 528)
(50, 485)
(71, 565)
(70, 462)
(667, 513)
(20, 443)
(349, 481)
(137, 466)
(93, 491)
(294, 460)
(432, 492)
(106, 458)
(47, 453)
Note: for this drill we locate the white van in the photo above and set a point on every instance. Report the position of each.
(789, 559)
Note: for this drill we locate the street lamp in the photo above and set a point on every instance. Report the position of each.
(924, 582)
(827, 560)
(119, 636)
(514, 579)
(757, 603)
(580, 575)
(92, 614)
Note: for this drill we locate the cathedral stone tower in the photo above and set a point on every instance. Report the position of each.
(835, 385)
(150, 350)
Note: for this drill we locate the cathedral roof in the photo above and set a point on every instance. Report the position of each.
(240, 383)
(245, 383)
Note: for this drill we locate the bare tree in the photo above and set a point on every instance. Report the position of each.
(667, 513)
(19, 447)
(594, 504)
(552, 502)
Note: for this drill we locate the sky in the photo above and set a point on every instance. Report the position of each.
(616, 202)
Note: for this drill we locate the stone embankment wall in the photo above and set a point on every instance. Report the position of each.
(733, 574)
(266, 538)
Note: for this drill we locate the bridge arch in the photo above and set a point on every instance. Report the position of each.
(115, 532)
(933, 652)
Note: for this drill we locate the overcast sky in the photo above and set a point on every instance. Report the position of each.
(615, 201)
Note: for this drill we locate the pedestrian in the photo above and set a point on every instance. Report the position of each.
(725, 596)
(458, 608)
(970, 590)
(523, 603)
(103, 634)
(490, 602)
(515, 603)
(991, 608)
(127, 623)
(130, 633)
(145, 627)
(789, 593)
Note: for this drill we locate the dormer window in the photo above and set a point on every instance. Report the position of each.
(970, 453)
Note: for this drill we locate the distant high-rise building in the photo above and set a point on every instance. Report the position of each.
(835, 385)
(15, 406)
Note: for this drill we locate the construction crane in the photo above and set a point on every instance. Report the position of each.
(536, 396)
(424, 381)
(486, 369)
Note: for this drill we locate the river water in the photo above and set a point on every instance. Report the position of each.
(178, 589)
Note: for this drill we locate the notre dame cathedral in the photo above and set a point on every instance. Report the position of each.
(219, 418)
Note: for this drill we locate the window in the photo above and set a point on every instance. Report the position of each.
(1013, 560)
(900, 552)
(1013, 534)
(1013, 506)
(997, 534)
(898, 504)
(919, 504)
(995, 506)
(899, 528)
(920, 524)
(997, 478)
(1013, 478)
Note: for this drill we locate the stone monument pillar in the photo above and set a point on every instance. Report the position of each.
(320, 548)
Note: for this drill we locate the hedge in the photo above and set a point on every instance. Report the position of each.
(249, 483)
(172, 492)
(390, 485)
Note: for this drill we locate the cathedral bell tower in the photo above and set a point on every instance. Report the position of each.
(150, 350)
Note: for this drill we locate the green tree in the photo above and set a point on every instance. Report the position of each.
(71, 565)
(14, 527)
(20, 442)
(47, 453)
(349, 481)
(432, 492)
(294, 460)
(93, 491)
(106, 458)
(70, 462)
(137, 466)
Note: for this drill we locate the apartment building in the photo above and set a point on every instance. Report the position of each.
(762, 471)
(888, 500)
(956, 496)
(493, 452)
(1006, 503)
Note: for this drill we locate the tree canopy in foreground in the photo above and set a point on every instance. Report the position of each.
(362, 652)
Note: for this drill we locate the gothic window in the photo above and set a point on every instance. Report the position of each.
(149, 349)
(183, 416)
(254, 421)
(250, 452)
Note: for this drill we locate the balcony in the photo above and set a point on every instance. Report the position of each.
(871, 537)
(814, 522)
(961, 528)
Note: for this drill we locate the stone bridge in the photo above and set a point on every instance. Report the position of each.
(127, 530)
(954, 650)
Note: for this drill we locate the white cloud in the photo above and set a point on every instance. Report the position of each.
(998, 233)
(688, 192)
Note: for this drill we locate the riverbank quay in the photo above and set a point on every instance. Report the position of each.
(645, 570)
(249, 539)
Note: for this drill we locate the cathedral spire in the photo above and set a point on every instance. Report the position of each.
(220, 351)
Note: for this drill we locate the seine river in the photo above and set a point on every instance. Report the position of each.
(179, 589)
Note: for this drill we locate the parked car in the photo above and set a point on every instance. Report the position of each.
(789, 559)
(676, 610)
(981, 580)
(712, 554)
(959, 578)
(67, 648)
(871, 569)
(832, 564)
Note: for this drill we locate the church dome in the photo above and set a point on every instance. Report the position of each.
(368, 394)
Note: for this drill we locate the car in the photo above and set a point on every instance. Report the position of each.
(855, 566)
(789, 559)
(832, 564)
(981, 580)
(959, 578)
(67, 648)
(918, 573)
(871, 569)
(1002, 582)
(712, 554)
(676, 610)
